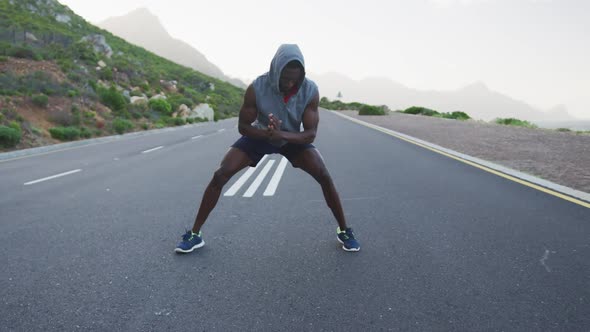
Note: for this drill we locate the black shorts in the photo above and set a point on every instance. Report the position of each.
(256, 149)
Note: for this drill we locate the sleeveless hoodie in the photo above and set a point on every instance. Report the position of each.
(269, 98)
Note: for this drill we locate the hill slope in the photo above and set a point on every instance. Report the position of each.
(62, 78)
(144, 29)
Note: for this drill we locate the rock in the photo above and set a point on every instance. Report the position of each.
(138, 100)
(99, 44)
(212, 86)
(126, 94)
(183, 111)
(158, 96)
(63, 18)
(170, 86)
(202, 111)
(30, 37)
(102, 64)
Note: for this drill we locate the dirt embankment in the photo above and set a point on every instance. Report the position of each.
(560, 157)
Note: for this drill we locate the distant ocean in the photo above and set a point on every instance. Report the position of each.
(573, 125)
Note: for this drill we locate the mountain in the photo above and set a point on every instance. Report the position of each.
(61, 78)
(144, 29)
(476, 99)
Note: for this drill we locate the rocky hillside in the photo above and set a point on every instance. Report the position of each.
(62, 78)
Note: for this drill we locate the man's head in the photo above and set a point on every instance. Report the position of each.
(291, 76)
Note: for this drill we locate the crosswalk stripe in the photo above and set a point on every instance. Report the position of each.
(236, 186)
(254, 186)
(276, 178)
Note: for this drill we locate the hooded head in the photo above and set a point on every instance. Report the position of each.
(286, 54)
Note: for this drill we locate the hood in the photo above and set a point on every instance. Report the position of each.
(285, 54)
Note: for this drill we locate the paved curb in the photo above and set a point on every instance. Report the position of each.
(70, 145)
(514, 173)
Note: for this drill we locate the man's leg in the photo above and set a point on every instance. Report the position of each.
(312, 163)
(234, 161)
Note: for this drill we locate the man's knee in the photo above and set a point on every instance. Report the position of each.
(221, 176)
(323, 176)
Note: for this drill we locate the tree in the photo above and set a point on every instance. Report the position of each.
(339, 95)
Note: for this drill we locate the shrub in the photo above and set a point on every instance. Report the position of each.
(41, 100)
(160, 106)
(9, 137)
(515, 122)
(65, 133)
(23, 52)
(371, 110)
(106, 74)
(179, 121)
(121, 125)
(85, 132)
(63, 118)
(567, 130)
(420, 110)
(112, 98)
(459, 116)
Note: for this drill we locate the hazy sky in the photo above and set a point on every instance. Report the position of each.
(536, 51)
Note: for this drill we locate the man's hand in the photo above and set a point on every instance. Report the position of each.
(274, 128)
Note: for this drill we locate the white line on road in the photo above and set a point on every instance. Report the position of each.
(221, 130)
(254, 186)
(198, 136)
(151, 150)
(236, 186)
(276, 178)
(53, 177)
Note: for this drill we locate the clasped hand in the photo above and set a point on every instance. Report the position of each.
(274, 127)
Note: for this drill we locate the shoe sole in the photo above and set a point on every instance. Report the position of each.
(346, 249)
(196, 246)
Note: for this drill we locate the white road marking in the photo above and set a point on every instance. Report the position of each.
(254, 186)
(151, 150)
(236, 186)
(53, 177)
(197, 137)
(276, 178)
(221, 130)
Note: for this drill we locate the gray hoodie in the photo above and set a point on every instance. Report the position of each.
(269, 98)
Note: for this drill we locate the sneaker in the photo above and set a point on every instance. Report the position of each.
(190, 242)
(346, 237)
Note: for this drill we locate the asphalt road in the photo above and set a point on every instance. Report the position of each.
(445, 246)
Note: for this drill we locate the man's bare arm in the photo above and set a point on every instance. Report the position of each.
(311, 118)
(248, 114)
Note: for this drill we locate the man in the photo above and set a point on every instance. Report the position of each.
(275, 105)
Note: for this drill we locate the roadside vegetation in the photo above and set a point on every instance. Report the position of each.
(365, 109)
(67, 79)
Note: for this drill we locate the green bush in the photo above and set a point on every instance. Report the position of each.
(85, 132)
(420, 110)
(40, 100)
(112, 98)
(106, 74)
(23, 52)
(178, 121)
(371, 110)
(515, 122)
(9, 137)
(121, 125)
(65, 133)
(161, 106)
(458, 116)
